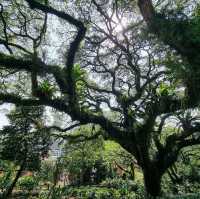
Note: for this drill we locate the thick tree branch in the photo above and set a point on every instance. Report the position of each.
(5, 30)
(147, 10)
(12, 98)
(83, 117)
(4, 42)
(48, 9)
(10, 62)
(57, 128)
(189, 142)
(77, 138)
(73, 46)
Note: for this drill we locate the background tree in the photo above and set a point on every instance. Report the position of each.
(90, 161)
(126, 75)
(22, 143)
(7, 169)
(81, 157)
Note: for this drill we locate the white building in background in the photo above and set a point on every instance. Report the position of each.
(4, 109)
(56, 150)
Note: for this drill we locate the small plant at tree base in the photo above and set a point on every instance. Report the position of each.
(27, 183)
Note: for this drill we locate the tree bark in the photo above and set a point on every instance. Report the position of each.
(147, 10)
(8, 192)
(152, 180)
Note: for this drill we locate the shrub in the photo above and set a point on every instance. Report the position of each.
(119, 183)
(94, 192)
(27, 183)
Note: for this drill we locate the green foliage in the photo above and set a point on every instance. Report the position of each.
(21, 140)
(6, 175)
(83, 157)
(165, 90)
(27, 183)
(182, 33)
(101, 192)
(45, 174)
(176, 66)
(193, 29)
(97, 193)
(47, 88)
(186, 196)
(119, 183)
(113, 152)
(186, 175)
(78, 72)
(196, 12)
(79, 75)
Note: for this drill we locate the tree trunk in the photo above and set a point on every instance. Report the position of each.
(152, 181)
(8, 192)
(147, 10)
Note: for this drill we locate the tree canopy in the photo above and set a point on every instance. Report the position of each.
(97, 63)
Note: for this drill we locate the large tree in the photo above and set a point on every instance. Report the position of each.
(87, 59)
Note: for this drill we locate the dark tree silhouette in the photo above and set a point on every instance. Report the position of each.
(119, 71)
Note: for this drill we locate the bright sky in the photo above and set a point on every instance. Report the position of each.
(4, 109)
